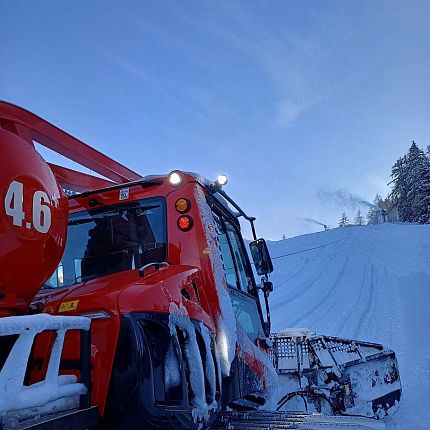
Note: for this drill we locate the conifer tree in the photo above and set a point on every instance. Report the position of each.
(359, 220)
(343, 220)
(428, 153)
(374, 214)
(418, 186)
(400, 188)
(411, 185)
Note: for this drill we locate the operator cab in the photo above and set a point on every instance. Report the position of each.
(109, 235)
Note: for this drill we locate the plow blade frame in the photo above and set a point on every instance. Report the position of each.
(353, 377)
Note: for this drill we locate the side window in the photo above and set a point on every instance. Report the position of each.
(230, 272)
(246, 312)
(245, 306)
(233, 255)
(239, 258)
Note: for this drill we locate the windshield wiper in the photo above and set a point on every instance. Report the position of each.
(115, 211)
(143, 183)
(80, 221)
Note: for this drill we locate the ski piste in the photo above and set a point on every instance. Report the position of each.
(149, 315)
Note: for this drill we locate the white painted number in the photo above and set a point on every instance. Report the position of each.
(41, 212)
(14, 202)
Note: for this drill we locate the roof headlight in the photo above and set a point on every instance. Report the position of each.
(175, 178)
(221, 180)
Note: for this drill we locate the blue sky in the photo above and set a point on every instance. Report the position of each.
(288, 98)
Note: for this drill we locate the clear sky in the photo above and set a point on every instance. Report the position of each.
(287, 98)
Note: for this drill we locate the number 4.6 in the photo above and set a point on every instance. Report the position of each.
(14, 202)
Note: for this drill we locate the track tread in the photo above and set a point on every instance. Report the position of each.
(268, 420)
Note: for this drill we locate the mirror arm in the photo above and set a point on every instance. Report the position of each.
(251, 221)
(268, 322)
(266, 287)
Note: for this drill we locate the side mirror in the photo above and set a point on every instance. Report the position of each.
(260, 255)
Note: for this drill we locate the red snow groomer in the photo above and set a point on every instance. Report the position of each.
(130, 303)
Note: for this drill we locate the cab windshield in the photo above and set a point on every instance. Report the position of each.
(112, 239)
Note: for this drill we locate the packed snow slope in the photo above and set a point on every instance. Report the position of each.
(367, 283)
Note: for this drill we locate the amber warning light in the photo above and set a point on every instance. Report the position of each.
(182, 205)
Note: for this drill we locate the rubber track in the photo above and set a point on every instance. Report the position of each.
(268, 420)
(260, 420)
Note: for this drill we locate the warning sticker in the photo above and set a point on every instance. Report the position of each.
(69, 306)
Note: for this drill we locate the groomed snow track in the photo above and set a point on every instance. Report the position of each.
(267, 420)
(374, 285)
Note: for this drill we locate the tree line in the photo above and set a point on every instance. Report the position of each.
(409, 198)
(410, 183)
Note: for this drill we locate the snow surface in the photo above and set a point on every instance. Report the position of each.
(370, 283)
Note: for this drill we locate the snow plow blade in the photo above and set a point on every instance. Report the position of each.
(336, 376)
(265, 420)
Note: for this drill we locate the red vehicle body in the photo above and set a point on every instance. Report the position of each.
(158, 265)
(130, 302)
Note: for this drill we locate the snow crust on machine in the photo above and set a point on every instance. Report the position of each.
(180, 320)
(269, 376)
(378, 376)
(172, 371)
(17, 400)
(209, 362)
(38, 323)
(13, 418)
(296, 332)
(226, 335)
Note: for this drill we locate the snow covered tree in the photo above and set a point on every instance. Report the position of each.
(411, 186)
(344, 221)
(374, 214)
(428, 153)
(400, 188)
(418, 182)
(359, 220)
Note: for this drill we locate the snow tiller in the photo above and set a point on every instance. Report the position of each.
(130, 303)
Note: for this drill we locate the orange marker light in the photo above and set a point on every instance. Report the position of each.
(182, 205)
(185, 223)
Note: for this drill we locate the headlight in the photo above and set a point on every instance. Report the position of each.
(221, 180)
(175, 178)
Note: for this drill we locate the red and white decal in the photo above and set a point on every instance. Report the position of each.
(40, 217)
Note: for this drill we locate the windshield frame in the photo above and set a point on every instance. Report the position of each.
(86, 215)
